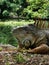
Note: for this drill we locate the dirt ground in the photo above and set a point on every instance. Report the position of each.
(18, 58)
(9, 56)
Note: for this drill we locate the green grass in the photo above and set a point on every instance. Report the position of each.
(16, 23)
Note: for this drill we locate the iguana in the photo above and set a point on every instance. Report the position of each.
(30, 36)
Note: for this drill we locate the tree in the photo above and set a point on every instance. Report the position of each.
(24, 8)
(36, 8)
(10, 6)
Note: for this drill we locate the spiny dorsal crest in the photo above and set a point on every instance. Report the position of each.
(41, 24)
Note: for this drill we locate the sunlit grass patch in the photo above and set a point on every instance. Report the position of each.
(16, 23)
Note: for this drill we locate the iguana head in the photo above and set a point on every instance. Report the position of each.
(25, 35)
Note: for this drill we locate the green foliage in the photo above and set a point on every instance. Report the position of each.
(5, 13)
(26, 8)
(6, 36)
(36, 8)
(8, 6)
(19, 58)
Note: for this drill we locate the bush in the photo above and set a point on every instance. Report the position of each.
(5, 13)
(25, 8)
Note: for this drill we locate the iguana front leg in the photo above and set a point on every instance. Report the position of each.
(41, 49)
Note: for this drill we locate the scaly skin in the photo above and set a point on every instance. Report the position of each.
(31, 37)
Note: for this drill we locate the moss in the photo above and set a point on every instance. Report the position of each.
(1, 48)
(7, 63)
(19, 58)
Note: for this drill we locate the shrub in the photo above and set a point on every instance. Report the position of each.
(5, 13)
